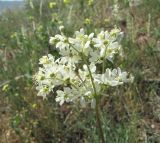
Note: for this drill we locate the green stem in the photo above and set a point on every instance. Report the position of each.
(96, 96)
(92, 80)
(97, 107)
(99, 123)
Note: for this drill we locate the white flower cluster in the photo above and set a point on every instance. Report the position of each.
(80, 74)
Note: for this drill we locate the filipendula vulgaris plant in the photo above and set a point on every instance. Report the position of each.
(81, 70)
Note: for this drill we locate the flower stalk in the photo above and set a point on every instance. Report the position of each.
(101, 134)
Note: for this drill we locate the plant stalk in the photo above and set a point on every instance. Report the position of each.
(101, 135)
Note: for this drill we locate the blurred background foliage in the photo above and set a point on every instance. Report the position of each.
(131, 114)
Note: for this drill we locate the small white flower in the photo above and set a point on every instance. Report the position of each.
(82, 102)
(61, 27)
(52, 40)
(60, 97)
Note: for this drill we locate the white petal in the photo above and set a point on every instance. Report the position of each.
(93, 103)
(82, 102)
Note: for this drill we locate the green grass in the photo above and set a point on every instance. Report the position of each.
(130, 114)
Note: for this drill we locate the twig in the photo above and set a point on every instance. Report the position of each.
(15, 78)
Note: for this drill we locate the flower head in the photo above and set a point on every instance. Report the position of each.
(75, 74)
